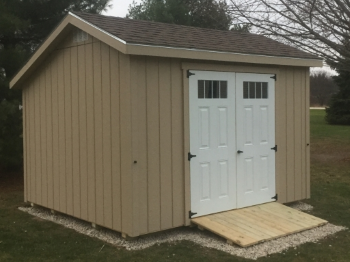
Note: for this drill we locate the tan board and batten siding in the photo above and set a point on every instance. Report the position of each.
(106, 135)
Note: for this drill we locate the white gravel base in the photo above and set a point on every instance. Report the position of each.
(203, 238)
(301, 206)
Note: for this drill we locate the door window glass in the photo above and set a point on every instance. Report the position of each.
(212, 89)
(223, 89)
(201, 89)
(208, 89)
(264, 90)
(216, 89)
(245, 90)
(252, 90)
(255, 90)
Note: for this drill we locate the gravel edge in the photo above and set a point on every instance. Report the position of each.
(204, 238)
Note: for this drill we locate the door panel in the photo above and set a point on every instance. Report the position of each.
(264, 125)
(222, 126)
(249, 174)
(255, 137)
(205, 180)
(249, 122)
(204, 130)
(224, 178)
(212, 140)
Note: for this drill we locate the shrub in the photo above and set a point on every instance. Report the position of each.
(11, 156)
(338, 112)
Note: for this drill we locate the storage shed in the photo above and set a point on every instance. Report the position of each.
(140, 126)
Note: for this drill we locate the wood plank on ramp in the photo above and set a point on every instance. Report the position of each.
(252, 225)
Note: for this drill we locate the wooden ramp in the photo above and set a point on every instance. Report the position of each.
(252, 225)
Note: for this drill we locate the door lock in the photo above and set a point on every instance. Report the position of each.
(239, 152)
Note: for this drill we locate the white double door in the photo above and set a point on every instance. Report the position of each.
(232, 133)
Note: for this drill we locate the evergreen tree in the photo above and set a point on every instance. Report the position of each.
(201, 13)
(24, 24)
(338, 112)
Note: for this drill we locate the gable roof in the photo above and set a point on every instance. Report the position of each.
(137, 37)
(188, 37)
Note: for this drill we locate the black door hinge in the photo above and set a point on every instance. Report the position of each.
(275, 197)
(189, 156)
(274, 148)
(190, 214)
(274, 77)
(189, 74)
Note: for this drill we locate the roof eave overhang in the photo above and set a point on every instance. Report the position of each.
(162, 51)
(148, 50)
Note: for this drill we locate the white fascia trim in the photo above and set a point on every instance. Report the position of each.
(221, 52)
(103, 31)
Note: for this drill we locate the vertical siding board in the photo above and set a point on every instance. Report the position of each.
(290, 136)
(75, 133)
(177, 140)
(27, 150)
(33, 175)
(25, 141)
(125, 145)
(140, 64)
(37, 130)
(107, 151)
(153, 145)
(55, 133)
(49, 152)
(303, 135)
(82, 133)
(43, 144)
(62, 134)
(281, 139)
(115, 136)
(135, 146)
(30, 155)
(98, 131)
(307, 107)
(68, 129)
(297, 133)
(165, 143)
(90, 132)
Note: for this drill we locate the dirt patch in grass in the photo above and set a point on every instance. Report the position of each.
(326, 158)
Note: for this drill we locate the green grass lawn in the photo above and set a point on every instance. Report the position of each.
(25, 238)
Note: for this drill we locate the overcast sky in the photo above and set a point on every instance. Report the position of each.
(120, 7)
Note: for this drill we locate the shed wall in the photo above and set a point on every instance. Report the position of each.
(162, 135)
(77, 123)
(158, 135)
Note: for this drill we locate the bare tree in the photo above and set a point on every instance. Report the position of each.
(321, 27)
(322, 87)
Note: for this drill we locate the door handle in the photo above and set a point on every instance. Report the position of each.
(274, 148)
(189, 156)
(239, 152)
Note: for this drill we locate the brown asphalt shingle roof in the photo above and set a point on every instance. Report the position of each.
(171, 35)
